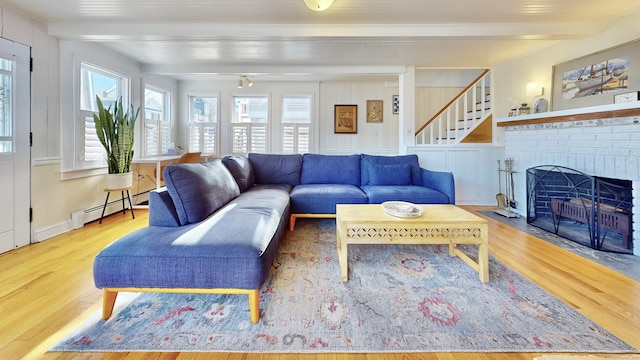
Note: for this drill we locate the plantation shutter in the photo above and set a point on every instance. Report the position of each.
(203, 124)
(152, 137)
(296, 124)
(157, 124)
(93, 150)
(165, 137)
(209, 132)
(250, 125)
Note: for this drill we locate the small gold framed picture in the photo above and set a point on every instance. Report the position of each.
(374, 111)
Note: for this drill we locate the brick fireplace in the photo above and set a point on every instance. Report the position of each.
(602, 141)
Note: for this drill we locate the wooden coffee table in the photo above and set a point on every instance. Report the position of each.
(438, 224)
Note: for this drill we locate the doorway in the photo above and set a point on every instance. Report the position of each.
(15, 146)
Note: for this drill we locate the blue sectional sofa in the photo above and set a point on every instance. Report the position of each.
(216, 227)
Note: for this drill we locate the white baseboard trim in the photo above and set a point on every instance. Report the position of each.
(48, 232)
(78, 219)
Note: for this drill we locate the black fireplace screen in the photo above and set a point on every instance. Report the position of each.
(593, 211)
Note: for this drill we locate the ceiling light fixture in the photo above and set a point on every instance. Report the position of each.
(318, 5)
(244, 80)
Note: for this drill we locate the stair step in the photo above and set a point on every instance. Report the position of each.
(478, 110)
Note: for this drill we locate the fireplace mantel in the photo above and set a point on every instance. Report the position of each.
(579, 114)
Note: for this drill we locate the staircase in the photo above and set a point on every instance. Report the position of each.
(466, 118)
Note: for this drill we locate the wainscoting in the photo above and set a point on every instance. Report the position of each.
(474, 168)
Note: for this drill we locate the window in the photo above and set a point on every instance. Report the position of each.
(249, 124)
(6, 117)
(296, 124)
(109, 87)
(203, 124)
(157, 122)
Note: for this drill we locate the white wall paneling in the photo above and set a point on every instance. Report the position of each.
(474, 168)
(371, 137)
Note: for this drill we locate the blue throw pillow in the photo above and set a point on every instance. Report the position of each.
(330, 169)
(390, 174)
(199, 189)
(240, 168)
(276, 168)
(411, 160)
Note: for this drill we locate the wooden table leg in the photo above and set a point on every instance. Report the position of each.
(452, 248)
(483, 255)
(342, 253)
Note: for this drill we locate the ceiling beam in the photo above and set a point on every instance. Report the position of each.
(293, 71)
(202, 31)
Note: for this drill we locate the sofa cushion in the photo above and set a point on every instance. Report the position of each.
(199, 189)
(411, 193)
(240, 167)
(397, 174)
(276, 169)
(330, 169)
(322, 198)
(412, 160)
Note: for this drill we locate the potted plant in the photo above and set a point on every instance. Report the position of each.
(115, 129)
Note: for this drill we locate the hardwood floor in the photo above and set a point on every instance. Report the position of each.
(46, 290)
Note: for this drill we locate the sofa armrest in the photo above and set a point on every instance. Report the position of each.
(162, 212)
(441, 181)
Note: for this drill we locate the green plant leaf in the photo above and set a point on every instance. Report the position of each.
(116, 132)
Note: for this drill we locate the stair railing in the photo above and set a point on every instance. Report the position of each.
(460, 115)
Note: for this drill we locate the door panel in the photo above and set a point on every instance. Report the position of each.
(15, 148)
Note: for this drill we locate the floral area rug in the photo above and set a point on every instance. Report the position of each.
(399, 298)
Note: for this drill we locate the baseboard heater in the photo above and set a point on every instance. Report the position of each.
(81, 217)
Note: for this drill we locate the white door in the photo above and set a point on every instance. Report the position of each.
(15, 147)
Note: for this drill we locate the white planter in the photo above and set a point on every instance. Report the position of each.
(119, 181)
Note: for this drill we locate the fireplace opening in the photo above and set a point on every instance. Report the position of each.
(590, 210)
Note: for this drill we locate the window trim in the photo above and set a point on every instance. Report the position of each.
(159, 123)
(123, 90)
(201, 126)
(72, 55)
(282, 124)
(268, 125)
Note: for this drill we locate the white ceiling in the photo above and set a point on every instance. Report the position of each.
(275, 37)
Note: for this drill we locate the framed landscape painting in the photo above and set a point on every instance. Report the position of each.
(596, 79)
(346, 119)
